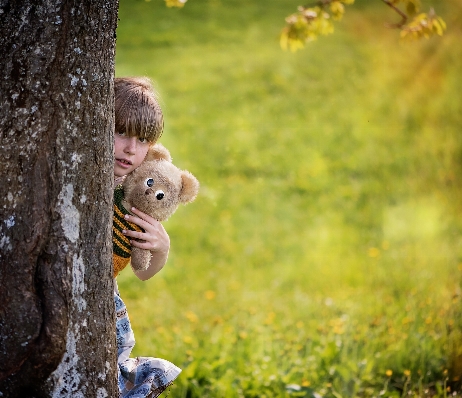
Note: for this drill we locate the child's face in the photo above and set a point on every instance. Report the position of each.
(129, 153)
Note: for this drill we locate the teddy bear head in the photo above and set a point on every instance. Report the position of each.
(157, 186)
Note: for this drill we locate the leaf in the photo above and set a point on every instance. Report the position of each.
(337, 9)
(437, 28)
(412, 7)
(284, 39)
(441, 21)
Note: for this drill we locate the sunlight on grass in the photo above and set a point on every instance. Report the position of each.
(323, 253)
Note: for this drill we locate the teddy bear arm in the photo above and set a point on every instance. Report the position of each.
(140, 259)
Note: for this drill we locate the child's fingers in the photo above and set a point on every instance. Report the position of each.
(146, 225)
(143, 216)
(141, 245)
(134, 234)
(140, 239)
(154, 237)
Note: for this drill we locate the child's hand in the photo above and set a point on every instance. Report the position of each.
(154, 238)
(118, 180)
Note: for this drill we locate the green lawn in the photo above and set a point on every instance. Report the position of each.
(324, 251)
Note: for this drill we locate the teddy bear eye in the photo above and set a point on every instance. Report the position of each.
(159, 194)
(149, 182)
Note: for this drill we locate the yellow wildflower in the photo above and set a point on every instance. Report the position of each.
(175, 3)
(270, 318)
(192, 317)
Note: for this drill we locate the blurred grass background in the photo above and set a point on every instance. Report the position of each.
(324, 252)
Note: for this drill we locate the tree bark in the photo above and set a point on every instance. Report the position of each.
(57, 332)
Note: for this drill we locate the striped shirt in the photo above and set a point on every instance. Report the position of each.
(122, 249)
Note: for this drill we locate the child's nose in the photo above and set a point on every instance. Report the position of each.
(130, 146)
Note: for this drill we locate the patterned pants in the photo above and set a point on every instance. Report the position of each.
(139, 377)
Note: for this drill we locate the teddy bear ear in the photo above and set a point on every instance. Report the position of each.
(190, 187)
(158, 152)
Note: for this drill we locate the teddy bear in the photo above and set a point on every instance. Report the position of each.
(156, 188)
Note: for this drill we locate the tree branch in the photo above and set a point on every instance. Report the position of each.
(402, 14)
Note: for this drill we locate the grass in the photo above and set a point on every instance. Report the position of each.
(324, 253)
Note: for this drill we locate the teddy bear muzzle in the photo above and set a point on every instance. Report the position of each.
(159, 193)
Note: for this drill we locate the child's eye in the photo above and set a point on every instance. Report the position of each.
(142, 140)
(159, 194)
(121, 133)
(149, 182)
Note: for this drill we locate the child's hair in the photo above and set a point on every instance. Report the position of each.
(137, 110)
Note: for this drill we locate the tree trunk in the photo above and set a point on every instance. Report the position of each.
(57, 332)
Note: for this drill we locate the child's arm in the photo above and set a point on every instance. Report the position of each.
(154, 238)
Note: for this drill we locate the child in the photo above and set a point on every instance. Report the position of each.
(138, 125)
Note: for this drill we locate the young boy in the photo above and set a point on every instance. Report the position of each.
(138, 125)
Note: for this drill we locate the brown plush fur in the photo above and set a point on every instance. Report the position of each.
(178, 186)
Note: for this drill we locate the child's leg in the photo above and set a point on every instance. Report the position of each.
(125, 336)
(143, 376)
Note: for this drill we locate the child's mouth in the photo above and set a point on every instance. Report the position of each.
(123, 162)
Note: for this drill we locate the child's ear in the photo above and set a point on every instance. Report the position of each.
(190, 187)
(158, 152)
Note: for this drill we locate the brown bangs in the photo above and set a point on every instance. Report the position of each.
(137, 111)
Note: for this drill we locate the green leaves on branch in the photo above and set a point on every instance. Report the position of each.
(424, 25)
(309, 22)
(414, 25)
